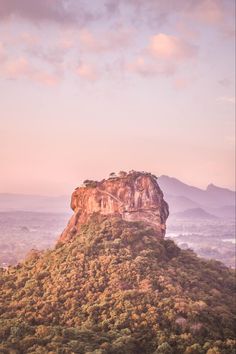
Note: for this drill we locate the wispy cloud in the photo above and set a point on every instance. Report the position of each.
(2, 52)
(181, 83)
(105, 41)
(143, 66)
(208, 11)
(87, 71)
(14, 69)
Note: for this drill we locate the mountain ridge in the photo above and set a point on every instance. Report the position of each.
(212, 198)
(209, 186)
(195, 214)
(174, 194)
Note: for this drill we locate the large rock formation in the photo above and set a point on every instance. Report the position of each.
(135, 196)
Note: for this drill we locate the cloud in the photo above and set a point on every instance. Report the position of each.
(157, 13)
(2, 53)
(166, 47)
(29, 39)
(151, 12)
(208, 11)
(67, 39)
(218, 14)
(154, 13)
(145, 67)
(14, 69)
(181, 83)
(59, 11)
(162, 56)
(52, 56)
(51, 51)
(34, 10)
(105, 41)
(118, 39)
(87, 71)
(46, 79)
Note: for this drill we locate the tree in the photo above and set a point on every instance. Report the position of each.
(164, 348)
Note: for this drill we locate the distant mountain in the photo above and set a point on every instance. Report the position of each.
(197, 214)
(179, 203)
(35, 203)
(224, 211)
(181, 196)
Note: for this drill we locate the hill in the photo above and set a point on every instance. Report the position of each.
(178, 203)
(114, 285)
(182, 196)
(194, 214)
(118, 287)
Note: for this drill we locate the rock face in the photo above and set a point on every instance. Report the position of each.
(135, 196)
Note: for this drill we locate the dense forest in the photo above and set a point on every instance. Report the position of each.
(117, 288)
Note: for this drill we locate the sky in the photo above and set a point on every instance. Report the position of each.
(93, 87)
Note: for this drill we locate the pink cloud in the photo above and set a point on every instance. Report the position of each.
(145, 67)
(88, 41)
(87, 71)
(182, 83)
(105, 41)
(19, 68)
(208, 11)
(29, 39)
(166, 47)
(67, 39)
(46, 78)
(2, 53)
(162, 56)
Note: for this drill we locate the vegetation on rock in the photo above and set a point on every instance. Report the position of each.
(115, 288)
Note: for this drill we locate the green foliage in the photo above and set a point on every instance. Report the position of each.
(164, 348)
(90, 183)
(117, 288)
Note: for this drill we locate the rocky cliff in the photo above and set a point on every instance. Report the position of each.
(133, 196)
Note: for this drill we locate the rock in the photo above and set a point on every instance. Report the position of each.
(135, 196)
(33, 254)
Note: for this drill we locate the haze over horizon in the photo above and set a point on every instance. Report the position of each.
(91, 89)
(69, 191)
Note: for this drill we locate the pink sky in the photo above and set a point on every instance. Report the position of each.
(88, 88)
